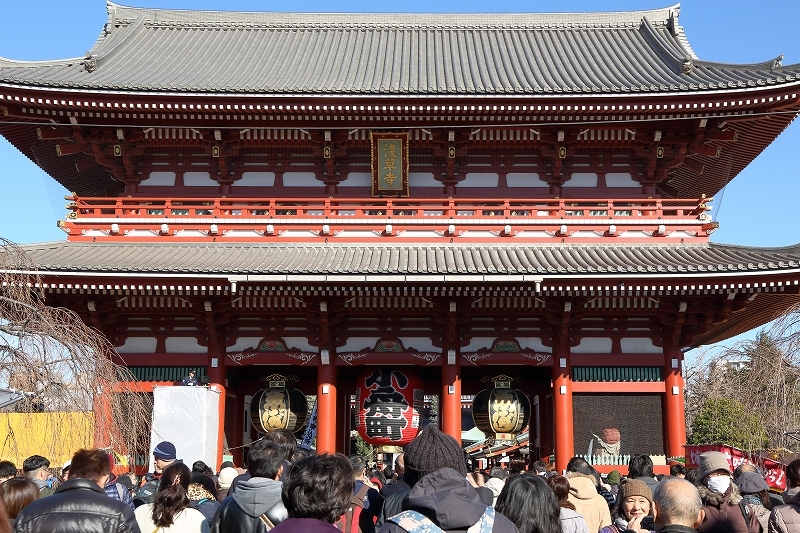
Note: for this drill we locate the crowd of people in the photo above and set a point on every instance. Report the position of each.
(429, 489)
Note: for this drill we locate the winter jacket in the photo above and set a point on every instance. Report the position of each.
(724, 514)
(203, 501)
(240, 512)
(447, 499)
(786, 518)
(588, 503)
(305, 525)
(496, 486)
(189, 520)
(572, 522)
(80, 506)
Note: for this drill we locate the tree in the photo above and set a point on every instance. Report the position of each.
(65, 368)
(728, 421)
(762, 376)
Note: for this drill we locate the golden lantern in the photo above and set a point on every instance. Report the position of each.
(279, 406)
(501, 412)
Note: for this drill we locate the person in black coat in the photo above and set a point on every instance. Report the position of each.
(79, 505)
(436, 471)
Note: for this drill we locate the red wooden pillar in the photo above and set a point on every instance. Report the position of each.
(215, 370)
(326, 408)
(674, 414)
(562, 405)
(451, 396)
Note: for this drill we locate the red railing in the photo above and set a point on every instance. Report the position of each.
(202, 218)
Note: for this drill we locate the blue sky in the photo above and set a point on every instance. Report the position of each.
(759, 208)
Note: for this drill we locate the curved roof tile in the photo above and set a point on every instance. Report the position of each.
(419, 54)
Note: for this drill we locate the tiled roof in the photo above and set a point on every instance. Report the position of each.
(489, 261)
(403, 54)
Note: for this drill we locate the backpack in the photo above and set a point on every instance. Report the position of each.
(416, 522)
(348, 522)
(147, 492)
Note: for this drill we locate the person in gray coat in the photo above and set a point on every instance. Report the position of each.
(256, 505)
(786, 518)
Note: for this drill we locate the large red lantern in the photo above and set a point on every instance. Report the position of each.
(390, 404)
(501, 412)
(279, 406)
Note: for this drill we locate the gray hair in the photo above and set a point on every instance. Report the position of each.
(678, 502)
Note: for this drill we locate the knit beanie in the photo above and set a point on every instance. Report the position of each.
(634, 487)
(226, 476)
(711, 462)
(614, 477)
(432, 450)
(165, 451)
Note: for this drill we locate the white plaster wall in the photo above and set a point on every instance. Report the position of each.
(198, 179)
(244, 342)
(582, 179)
(524, 179)
(300, 179)
(159, 179)
(356, 344)
(620, 179)
(184, 345)
(422, 344)
(476, 343)
(138, 345)
(480, 179)
(592, 345)
(357, 179)
(422, 179)
(255, 179)
(639, 345)
(534, 343)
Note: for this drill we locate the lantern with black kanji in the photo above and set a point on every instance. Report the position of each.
(279, 406)
(390, 404)
(501, 412)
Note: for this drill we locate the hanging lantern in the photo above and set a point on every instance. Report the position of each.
(389, 405)
(501, 412)
(279, 406)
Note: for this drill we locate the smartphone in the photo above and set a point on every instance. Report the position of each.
(648, 522)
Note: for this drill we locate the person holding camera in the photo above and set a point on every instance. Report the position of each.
(634, 510)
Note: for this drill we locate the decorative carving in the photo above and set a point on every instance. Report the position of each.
(474, 357)
(389, 345)
(350, 357)
(304, 357)
(430, 358)
(89, 63)
(271, 345)
(241, 356)
(540, 358)
(505, 346)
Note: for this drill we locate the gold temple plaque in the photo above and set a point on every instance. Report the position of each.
(389, 164)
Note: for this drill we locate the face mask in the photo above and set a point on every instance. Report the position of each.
(719, 484)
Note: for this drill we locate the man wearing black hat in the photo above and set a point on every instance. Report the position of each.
(436, 471)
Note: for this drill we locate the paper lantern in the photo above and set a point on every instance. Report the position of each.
(390, 403)
(501, 412)
(278, 407)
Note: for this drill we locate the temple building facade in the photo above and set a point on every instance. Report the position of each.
(466, 197)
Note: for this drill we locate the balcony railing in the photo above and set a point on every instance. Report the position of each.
(417, 219)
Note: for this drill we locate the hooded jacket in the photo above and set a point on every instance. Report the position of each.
(588, 503)
(723, 513)
(786, 518)
(240, 512)
(445, 497)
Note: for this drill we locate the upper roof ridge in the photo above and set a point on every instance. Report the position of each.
(124, 15)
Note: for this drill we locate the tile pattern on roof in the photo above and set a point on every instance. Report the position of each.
(404, 54)
(225, 259)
